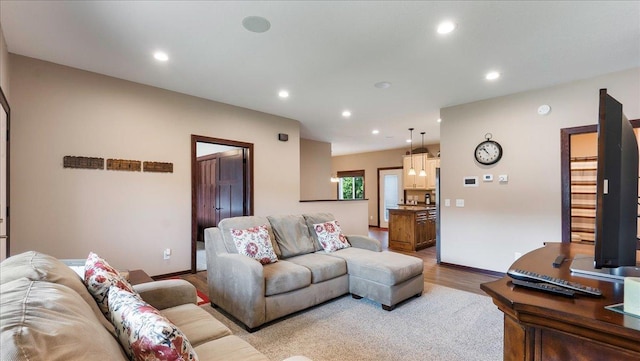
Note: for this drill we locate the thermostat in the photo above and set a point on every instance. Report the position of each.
(470, 181)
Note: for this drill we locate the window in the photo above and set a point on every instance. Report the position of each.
(351, 185)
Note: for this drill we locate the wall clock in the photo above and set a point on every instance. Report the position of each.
(489, 151)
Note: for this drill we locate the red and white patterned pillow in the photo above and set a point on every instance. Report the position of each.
(330, 236)
(144, 333)
(99, 276)
(255, 243)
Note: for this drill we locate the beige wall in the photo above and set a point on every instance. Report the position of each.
(498, 220)
(370, 162)
(129, 218)
(315, 170)
(584, 145)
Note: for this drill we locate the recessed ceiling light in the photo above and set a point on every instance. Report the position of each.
(346, 114)
(439, 120)
(382, 85)
(256, 24)
(375, 131)
(283, 94)
(446, 27)
(492, 75)
(161, 56)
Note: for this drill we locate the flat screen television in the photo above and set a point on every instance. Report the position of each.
(616, 228)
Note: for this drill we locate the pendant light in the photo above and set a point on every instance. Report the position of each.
(422, 172)
(412, 171)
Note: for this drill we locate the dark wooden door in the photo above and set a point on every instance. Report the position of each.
(206, 200)
(230, 195)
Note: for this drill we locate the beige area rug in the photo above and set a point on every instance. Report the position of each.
(443, 324)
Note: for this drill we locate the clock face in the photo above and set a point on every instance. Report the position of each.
(488, 152)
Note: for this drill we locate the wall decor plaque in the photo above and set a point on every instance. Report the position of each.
(124, 164)
(82, 162)
(158, 167)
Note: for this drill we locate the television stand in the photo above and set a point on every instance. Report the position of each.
(543, 326)
(583, 265)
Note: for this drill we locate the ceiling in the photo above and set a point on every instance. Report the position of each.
(329, 54)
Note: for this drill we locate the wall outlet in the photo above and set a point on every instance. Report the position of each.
(517, 255)
(167, 253)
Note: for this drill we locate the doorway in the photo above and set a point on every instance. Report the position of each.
(573, 188)
(221, 187)
(390, 193)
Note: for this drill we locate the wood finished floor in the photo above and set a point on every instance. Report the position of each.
(445, 275)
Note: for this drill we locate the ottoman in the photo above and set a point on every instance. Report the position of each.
(385, 277)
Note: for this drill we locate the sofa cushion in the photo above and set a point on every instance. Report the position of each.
(41, 267)
(315, 218)
(229, 348)
(244, 222)
(50, 321)
(322, 267)
(99, 276)
(387, 268)
(285, 276)
(143, 332)
(330, 236)
(196, 324)
(254, 242)
(292, 235)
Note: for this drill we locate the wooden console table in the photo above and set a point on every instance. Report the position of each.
(540, 326)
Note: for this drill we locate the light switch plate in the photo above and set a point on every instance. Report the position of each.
(447, 202)
(487, 177)
(503, 178)
(459, 202)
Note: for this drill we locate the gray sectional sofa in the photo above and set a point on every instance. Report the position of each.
(304, 274)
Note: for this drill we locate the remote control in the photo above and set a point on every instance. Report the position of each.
(536, 277)
(558, 262)
(547, 287)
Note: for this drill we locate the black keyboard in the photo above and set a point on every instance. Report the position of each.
(529, 276)
(547, 287)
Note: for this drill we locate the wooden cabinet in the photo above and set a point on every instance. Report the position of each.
(431, 165)
(543, 326)
(411, 228)
(416, 181)
(413, 181)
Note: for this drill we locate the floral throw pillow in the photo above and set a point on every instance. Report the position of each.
(255, 243)
(144, 333)
(330, 236)
(99, 276)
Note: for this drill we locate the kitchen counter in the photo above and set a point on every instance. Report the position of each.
(412, 227)
(413, 207)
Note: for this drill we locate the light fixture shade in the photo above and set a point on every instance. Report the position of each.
(412, 171)
(422, 172)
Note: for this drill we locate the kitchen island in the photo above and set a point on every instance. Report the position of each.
(412, 227)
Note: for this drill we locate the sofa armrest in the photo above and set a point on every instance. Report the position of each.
(365, 242)
(167, 293)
